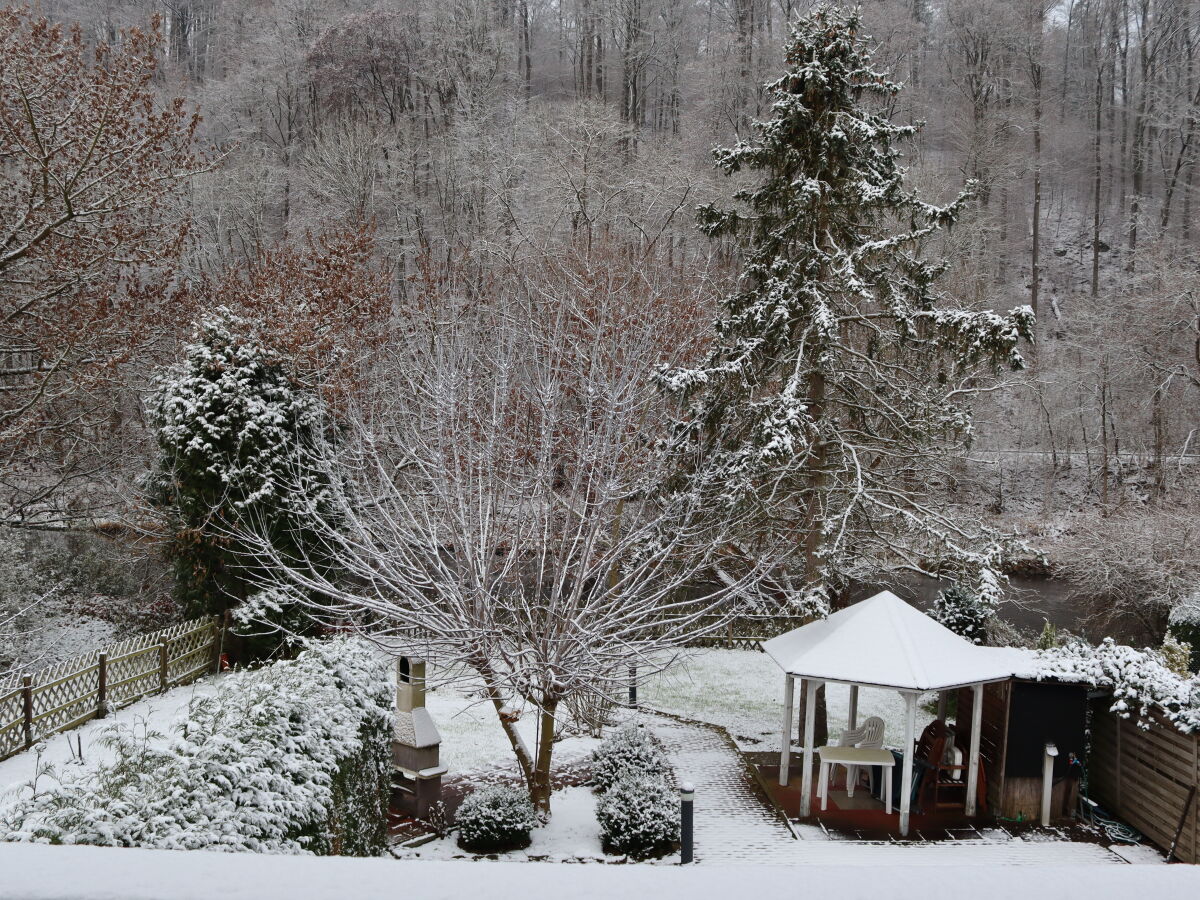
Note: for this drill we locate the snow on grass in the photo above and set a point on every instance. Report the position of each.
(572, 834)
(157, 712)
(742, 691)
(473, 742)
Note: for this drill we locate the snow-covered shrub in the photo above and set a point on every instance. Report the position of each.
(234, 431)
(965, 612)
(1176, 655)
(628, 748)
(494, 819)
(290, 758)
(1184, 625)
(1048, 639)
(1141, 683)
(638, 814)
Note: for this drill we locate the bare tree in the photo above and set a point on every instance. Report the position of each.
(496, 508)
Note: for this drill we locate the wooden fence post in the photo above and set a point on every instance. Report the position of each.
(217, 635)
(27, 708)
(163, 682)
(102, 687)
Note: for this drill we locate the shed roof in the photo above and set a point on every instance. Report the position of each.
(885, 642)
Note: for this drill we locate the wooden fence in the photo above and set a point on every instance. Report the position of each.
(66, 695)
(1146, 778)
(745, 632)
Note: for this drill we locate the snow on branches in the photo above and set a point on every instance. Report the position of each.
(234, 434)
(840, 375)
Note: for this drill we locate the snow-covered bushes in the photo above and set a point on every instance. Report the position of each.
(629, 748)
(1184, 625)
(638, 811)
(494, 819)
(1139, 680)
(638, 814)
(290, 758)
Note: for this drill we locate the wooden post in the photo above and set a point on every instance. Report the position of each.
(973, 762)
(943, 696)
(163, 681)
(217, 641)
(810, 726)
(102, 686)
(853, 718)
(910, 727)
(785, 750)
(27, 708)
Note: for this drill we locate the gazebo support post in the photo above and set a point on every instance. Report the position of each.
(910, 727)
(810, 686)
(853, 723)
(973, 763)
(785, 750)
(943, 696)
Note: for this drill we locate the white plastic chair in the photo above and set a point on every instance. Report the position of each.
(869, 736)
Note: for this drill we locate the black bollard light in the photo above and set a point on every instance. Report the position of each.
(687, 793)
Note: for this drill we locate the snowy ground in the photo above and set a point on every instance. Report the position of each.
(742, 691)
(33, 872)
(473, 743)
(571, 835)
(157, 712)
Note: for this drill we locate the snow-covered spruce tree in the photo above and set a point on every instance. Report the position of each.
(964, 612)
(233, 432)
(840, 375)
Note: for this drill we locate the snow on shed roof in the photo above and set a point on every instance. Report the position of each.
(885, 642)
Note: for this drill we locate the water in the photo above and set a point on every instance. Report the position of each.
(1030, 602)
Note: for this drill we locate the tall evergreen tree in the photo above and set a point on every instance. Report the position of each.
(234, 433)
(840, 374)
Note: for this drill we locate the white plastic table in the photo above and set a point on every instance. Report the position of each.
(852, 758)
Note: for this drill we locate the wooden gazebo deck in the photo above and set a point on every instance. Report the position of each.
(862, 816)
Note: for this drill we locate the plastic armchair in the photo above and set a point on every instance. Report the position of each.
(869, 736)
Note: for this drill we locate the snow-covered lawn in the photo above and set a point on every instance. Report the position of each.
(742, 691)
(474, 745)
(157, 712)
(572, 834)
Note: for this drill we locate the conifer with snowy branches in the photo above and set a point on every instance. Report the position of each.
(231, 425)
(840, 374)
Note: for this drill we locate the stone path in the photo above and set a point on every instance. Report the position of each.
(734, 826)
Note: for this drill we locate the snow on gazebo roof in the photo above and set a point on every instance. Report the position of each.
(885, 642)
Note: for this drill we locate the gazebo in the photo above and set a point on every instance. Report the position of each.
(881, 642)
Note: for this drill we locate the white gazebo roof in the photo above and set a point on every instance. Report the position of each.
(885, 642)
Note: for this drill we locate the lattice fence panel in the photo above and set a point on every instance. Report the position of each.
(12, 734)
(133, 675)
(190, 652)
(65, 701)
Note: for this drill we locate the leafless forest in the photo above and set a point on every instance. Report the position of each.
(414, 160)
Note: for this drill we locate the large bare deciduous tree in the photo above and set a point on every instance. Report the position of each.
(495, 504)
(94, 166)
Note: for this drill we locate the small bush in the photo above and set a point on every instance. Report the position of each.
(629, 748)
(638, 815)
(494, 819)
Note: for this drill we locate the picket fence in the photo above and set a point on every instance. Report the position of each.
(64, 696)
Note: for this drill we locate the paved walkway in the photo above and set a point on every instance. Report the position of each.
(734, 826)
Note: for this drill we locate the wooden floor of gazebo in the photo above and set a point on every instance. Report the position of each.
(861, 816)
